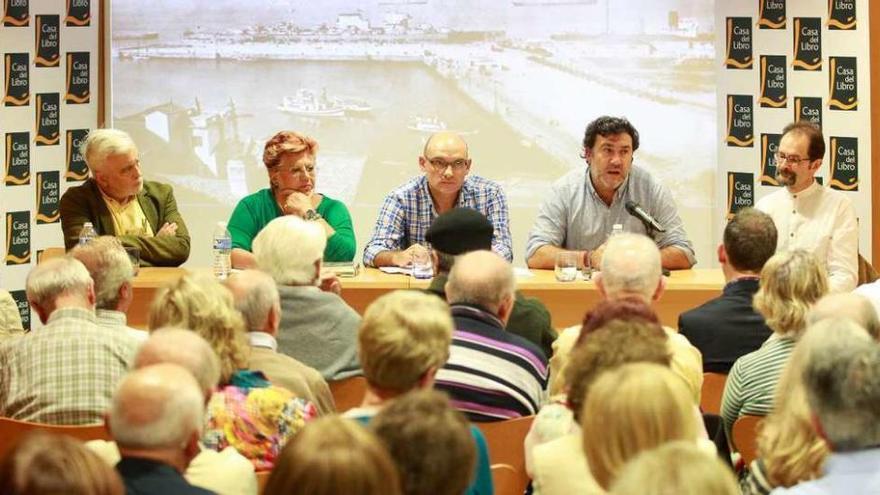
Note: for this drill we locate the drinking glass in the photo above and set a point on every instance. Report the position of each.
(566, 266)
(422, 266)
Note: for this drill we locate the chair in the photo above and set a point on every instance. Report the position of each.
(50, 253)
(713, 389)
(262, 479)
(867, 274)
(505, 441)
(744, 437)
(12, 430)
(505, 480)
(348, 393)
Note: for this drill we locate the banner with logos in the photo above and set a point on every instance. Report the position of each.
(49, 54)
(811, 62)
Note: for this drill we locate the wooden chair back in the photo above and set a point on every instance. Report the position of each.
(49, 253)
(867, 274)
(713, 389)
(348, 393)
(505, 480)
(505, 441)
(744, 437)
(262, 479)
(12, 431)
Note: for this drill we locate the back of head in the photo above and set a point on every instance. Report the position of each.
(630, 266)
(203, 305)
(331, 456)
(184, 348)
(749, 240)
(630, 409)
(157, 407)
(676, 467)
(843, 389)
(617, 343)
(255, 294)
(47, 464)
(608, 310)
(402, 336)
(430, 443)
(288, 248)
(459, 231)
(102, 143)
(848, 305)
(108, 265)
(481, 278)
(791, 282)
(55, 277)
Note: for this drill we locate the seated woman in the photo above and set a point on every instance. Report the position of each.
(247, 412)
(290, 160)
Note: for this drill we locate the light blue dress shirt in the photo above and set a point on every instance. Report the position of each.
(846, 473)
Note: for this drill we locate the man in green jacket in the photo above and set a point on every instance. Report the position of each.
(119, 202)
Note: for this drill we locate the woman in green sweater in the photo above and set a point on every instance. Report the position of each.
(290, 160)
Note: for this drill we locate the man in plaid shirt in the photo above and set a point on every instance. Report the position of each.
(65, 372)
(409, 210)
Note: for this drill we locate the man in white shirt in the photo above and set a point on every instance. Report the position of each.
(809, 216)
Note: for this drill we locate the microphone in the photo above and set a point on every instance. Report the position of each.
(635, 210)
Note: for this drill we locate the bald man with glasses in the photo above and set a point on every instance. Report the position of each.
(809, 216)
(446, 183)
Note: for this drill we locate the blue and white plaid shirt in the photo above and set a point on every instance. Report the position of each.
(408, 211)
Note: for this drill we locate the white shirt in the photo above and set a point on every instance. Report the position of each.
(823, 222)
(872, 293)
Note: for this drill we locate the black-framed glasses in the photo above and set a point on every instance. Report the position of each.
(439, 164)
(783, 158)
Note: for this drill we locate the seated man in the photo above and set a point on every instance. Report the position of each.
(317, 327)
(582, 207)
(65, 372)
(727, 327)
(462, 230)
(491, 374)
(409, 210)
(119, 202)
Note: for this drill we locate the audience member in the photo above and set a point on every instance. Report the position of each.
(226, 472)
(45, 464)
(789, 449)
(491, 374)
(65, 372)
(727, 327)
(843, 389)
(256, 297)
(112, 271)
(430, 443)
(317, 327)
(247, 412)
(851, 306)
(871, 291)
(334, 456)
(791, 282)
(633, 408)
(156, 421)
(403, 340)
(676, 467)
(462, 230)
(10, 317)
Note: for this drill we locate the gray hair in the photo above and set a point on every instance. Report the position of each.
(855, 307)
(184, 348)
(109, 266)
(255, 294)
(482, 278)
(55, 277)
(842, 378)
(102, 143)
(631, 264)
(156, 407)
(287, 249)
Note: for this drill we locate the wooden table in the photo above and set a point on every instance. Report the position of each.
(567, 301)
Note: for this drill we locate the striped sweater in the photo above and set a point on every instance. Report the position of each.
(491, 374)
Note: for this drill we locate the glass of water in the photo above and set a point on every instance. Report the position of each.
(566, 266)
(422, 265)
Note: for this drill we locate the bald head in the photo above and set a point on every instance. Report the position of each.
(447, 145)
(255, 295)
(157, 407)
(482, 278)
(630, 267)
(851, 306)
(184, 348)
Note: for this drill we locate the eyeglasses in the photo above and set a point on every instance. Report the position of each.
(439, 164)
(783, 158)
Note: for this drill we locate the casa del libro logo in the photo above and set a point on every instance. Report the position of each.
(17, 84)
(740, 121)
(844, 163)
(842, 15)
(807, 43)
(740, 192)
(771, 14)
(16, 13)
(773, 82)
(18, 159)
(739, 43)
(843, 82)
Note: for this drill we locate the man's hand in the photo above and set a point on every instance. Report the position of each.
(297, 204)
(330, 282)
(167, 229)
(404, 258)
(596, 256)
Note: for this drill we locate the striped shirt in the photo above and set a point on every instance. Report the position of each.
(409, 210)
(751, 384)
(491, 374)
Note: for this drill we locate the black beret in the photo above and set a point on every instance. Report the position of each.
(460, 230)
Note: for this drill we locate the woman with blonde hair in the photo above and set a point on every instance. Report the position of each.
(333, 456)
(634, 408)
(791, 282)
(247, 412)
(290, 159)
(676, 467)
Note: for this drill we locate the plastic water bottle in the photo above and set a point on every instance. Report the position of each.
(222, 251)
(87, 233)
